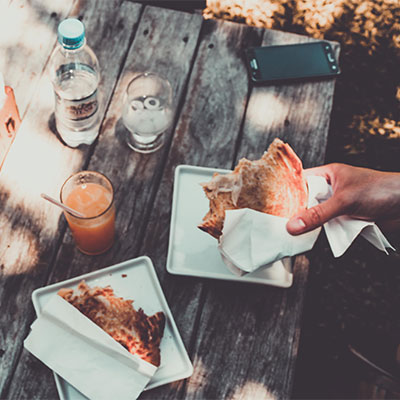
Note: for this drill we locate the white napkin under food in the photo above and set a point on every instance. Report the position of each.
(86, 356)
(252, 239)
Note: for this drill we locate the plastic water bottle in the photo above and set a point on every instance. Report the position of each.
(75, 77)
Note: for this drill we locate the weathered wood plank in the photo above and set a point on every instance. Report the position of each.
(21, 235)
(206, 134)
(243, 337)
(39, 162)
(298, 113)
(165, 42)
(270, 316)
(25, 52)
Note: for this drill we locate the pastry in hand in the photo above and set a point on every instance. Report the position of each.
(273, 184)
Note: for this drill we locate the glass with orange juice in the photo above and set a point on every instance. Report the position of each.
(91, 194)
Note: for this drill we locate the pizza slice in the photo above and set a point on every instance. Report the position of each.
(273, 184)
(139, 333)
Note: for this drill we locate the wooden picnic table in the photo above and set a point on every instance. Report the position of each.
(242, 338)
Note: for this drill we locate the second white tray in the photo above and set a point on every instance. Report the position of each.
(136, 280)
(195, 253)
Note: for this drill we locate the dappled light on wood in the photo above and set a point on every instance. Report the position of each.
(11, 22)
(21, 249)
(296, 109)
(24, 55)
(14, 23)
(199, 377)
(34, 164)
(266, 107)
(28, 172)
(252, 390)
(49, 5)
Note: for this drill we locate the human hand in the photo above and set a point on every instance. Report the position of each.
(357, 192)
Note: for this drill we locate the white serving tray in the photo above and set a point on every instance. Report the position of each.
(195, 253)
(136, 280)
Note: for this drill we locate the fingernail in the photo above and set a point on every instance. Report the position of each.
(297, 225)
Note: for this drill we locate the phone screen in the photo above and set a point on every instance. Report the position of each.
(272, 63)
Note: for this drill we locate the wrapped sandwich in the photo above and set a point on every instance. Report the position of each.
(273, 184)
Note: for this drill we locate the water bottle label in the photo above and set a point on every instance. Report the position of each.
(77, 98)
(78, 109)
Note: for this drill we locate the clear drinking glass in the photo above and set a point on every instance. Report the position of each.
(91, 194)
(147, 112)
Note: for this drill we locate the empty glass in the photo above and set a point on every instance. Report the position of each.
(147, 112)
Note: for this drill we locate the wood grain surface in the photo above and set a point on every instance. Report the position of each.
(298, 113)
(38, 162)
(205, 135)
(242, 338)
(25, 52)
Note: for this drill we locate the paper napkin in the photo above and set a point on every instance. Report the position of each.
(86, 356)
(251, 239)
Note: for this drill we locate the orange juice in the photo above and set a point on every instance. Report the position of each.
(93, 234)
(90, 199)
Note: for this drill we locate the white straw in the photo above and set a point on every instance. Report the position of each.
(63, 206)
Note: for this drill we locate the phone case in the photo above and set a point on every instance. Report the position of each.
(314, 60)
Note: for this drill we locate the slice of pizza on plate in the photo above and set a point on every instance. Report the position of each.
(139, 333)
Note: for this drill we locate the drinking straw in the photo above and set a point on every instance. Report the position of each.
(61, 205)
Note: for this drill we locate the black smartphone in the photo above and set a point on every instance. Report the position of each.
(291, 62)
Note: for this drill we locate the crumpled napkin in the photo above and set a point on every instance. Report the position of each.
(251, 239)
(86, 356)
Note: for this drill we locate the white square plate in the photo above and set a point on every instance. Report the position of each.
(194, 252)
(133, 279)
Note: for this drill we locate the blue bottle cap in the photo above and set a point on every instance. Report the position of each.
(71, 33)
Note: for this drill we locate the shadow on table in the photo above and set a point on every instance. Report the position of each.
(188, 5)
(121, 132)
(53, 128)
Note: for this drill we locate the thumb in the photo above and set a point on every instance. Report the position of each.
(313, 217)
